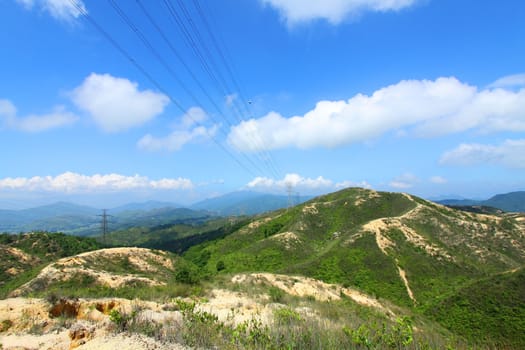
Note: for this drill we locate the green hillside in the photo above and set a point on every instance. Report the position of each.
(491, 310)
(395, 246)
(23, 255)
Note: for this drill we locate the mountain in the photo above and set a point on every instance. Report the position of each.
(86, 221)
(509, 202)
(145, 206)
(397, 247)
(53, 217)
(247, 203)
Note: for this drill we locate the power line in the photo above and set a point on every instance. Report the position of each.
(115, 44)
(215, 75)
(150, 47)
(223, 55)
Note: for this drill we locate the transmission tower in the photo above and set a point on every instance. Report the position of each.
(289, 189)
(104, 223)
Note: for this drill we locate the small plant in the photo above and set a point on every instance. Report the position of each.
(5, 325)
(287, 316)
(276, 294)
(120, 319)
(200, 329)
(220, 265)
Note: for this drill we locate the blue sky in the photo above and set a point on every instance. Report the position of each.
(107, 102)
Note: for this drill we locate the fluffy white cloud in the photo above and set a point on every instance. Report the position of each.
(347, 183)
(34, 123)
(510, 153)
(422, 107)
(299, 183)
(176, 140)
(64, 10)
(404, 181)
(438, 180)
(185, 133)
(116, 104)
(70, 182)
(509, 81)
(333, 11)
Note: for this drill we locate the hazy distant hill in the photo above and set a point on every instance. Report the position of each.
(148, 205)
(52, 217)
(510, 202)
(86, 221)
(247, 203)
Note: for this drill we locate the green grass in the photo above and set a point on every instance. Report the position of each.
(491, 310)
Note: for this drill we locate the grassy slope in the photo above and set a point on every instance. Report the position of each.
(332, 246)
(489, 310)
(42, 248)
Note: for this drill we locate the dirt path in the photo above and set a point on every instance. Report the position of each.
(382, 224)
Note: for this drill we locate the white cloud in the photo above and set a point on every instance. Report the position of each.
(176, 140)
(300, 183)
(438, 180)
(423, 108)
(515, 80)
(184, 133)
(510, 153)
(194, 115)
(230, 99)
(116, 104)
(64, 10)
(70, 182)
(34, 122)
(404, 181)
(347, 183)
(333, 11)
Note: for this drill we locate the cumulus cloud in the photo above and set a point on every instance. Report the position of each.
(404, 181)
(34, 122)
(333, 11)
(185, 133)
(300, 183)
(424, 108)
(116, 104)
(510, 153)
(515, 80)
(64, 10)
(70, 182)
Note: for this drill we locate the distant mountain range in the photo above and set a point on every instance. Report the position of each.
(247, 203)
(510, 202)
(85, 221)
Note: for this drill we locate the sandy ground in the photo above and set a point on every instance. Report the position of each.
(65, 268)
(35, 323)
(309, 287)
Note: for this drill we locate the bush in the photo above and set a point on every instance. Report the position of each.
(220, 265)
(276, 294)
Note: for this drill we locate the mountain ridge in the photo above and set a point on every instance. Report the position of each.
(510, 202)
